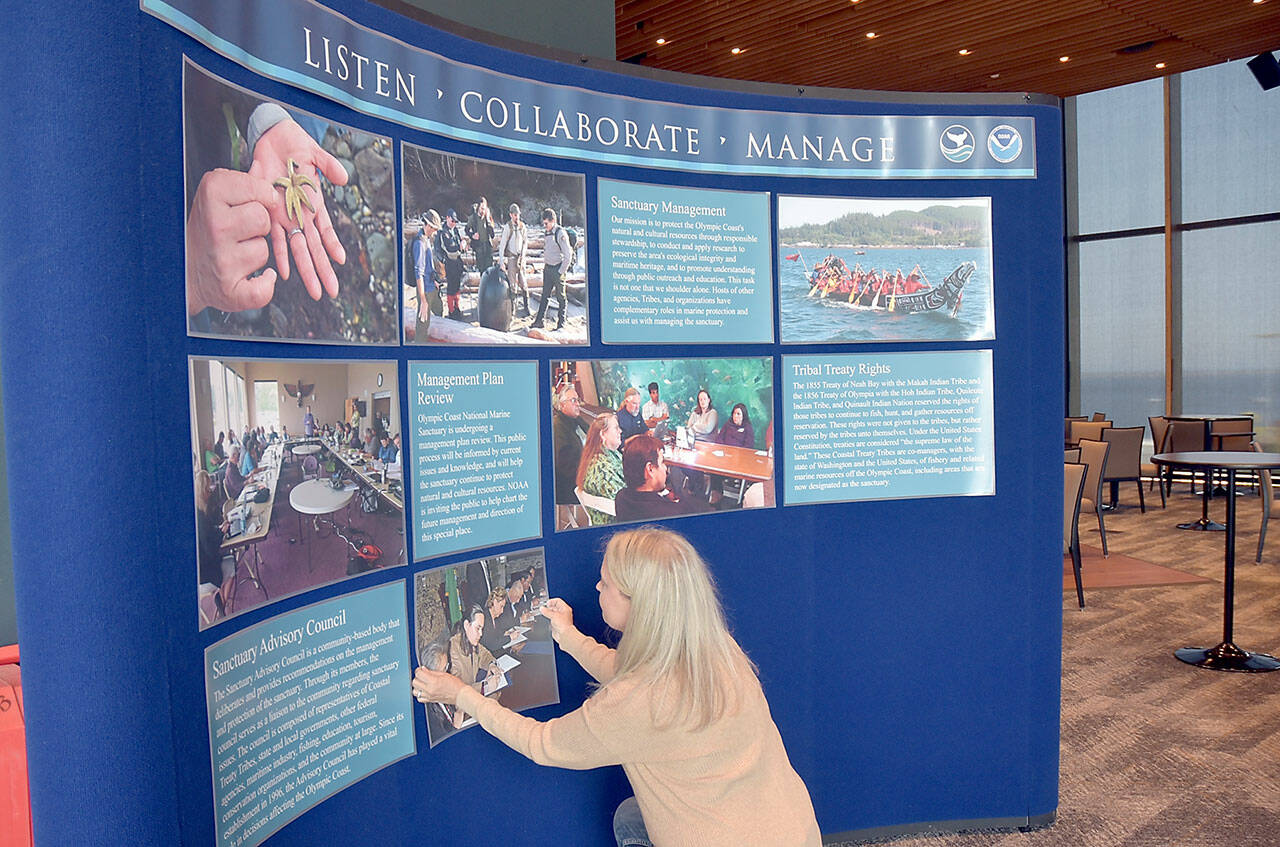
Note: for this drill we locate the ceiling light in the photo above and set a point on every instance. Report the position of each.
(662, 41)
(1159, 66)
(871, 35)
(965, 52)
(995, 76)
(1255, 2)
(735, 51)
(1064, 58)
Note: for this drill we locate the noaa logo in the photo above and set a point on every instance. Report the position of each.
(1004, 144)
(956, 143)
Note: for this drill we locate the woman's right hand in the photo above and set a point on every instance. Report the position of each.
(560, 614)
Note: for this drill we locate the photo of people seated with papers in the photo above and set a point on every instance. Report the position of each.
(288, 495)
(701, 442)
(479, 621)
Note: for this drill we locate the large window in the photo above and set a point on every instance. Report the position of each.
(1122, 304)
(1221, 284)
(1120, 150)
(266, 403)
(1231, 324)
(1230, 144)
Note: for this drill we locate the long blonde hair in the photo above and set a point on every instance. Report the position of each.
(676, 639)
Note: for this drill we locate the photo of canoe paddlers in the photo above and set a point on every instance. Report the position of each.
(493, 254)
(884, 269)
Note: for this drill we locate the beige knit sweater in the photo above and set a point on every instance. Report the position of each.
(729, 783)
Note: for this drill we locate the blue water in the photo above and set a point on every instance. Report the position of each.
(809, 320)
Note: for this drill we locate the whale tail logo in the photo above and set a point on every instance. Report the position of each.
(956, 143)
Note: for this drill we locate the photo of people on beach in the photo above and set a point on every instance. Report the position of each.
(492, 254)
(884, 269)
(290, 221)
(649, 439)
(479, 621)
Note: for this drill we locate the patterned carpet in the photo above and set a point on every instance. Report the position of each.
(1154, 752)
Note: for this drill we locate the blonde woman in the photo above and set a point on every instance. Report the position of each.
(678, 706)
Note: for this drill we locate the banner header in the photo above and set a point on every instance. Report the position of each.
(307, 45)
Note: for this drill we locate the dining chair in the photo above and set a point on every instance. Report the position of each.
(1071, 454)
(1088, 429)
(1066, 426)
(1232, 433)
(1093, 454)
(595, 501)
(1268, 494)
(1124, 462)
(1099, 416)
(1182, 437)
(1072, 488)
(1159, 428)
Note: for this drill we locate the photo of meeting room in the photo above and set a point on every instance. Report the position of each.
(493, 254)
(648, 439)
(479, 621)
(290, 221)
(297, 475)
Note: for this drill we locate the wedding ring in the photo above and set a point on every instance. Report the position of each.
(297, 230)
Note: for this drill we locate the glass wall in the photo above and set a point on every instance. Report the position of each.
(1223, 285)
(1120, 150)
(1230, 144)
(1231, 324)
(1122, 304)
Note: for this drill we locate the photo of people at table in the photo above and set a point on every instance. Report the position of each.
(290, 221)
(642, 440)
(298, 477)
(479, 621)
(493, 253)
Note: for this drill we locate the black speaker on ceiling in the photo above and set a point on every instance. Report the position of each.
(1266, 70)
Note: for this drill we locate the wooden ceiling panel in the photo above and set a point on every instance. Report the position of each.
(824, 43)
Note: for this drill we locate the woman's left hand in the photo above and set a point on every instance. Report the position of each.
(435, 686)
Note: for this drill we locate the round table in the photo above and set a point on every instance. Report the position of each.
(304, 449)
(1226, 656)
(318, 497)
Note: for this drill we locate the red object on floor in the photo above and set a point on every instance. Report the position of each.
(15, 799)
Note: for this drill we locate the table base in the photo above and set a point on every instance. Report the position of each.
(1203, 525)
(1228, 657)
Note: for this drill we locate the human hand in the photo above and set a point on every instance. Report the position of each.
(319, 244)
(226, 243)
(435, 686)
(560, 614)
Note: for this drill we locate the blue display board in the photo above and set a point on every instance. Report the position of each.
(880, 742)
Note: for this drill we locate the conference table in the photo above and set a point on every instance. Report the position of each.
(257, 520)
(368, 473)
(1226, 656)
(722, 459)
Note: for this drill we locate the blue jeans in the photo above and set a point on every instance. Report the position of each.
(628, 825)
